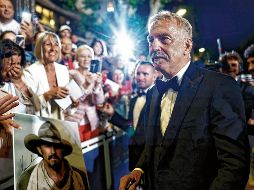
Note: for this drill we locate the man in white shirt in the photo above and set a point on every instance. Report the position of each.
(7, 21)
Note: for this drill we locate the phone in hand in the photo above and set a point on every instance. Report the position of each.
(26, 17)
(20, 40)
(95, 66)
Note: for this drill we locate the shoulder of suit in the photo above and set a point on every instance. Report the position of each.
(217, 78)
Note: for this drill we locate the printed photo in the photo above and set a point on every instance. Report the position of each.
(47, 154)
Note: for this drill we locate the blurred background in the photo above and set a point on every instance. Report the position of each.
(224, 24)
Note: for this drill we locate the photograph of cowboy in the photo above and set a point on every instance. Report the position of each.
(51, 171)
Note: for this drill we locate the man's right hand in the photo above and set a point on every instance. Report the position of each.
(6, 104)
(130, 181)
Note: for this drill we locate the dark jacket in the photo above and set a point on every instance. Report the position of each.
(137, 137)
(205, 145)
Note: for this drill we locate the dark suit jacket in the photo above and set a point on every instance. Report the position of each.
(248, 98)
(137, 137)
(205, 145)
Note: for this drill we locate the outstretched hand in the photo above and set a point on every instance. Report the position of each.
(6, 104)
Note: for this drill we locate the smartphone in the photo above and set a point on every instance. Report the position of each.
(20, 40)
(26, 17)
(95, 66)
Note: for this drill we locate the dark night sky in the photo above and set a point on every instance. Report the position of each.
(230, 20)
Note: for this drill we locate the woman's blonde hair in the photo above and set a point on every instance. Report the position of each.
(83, 47)
(38, 50)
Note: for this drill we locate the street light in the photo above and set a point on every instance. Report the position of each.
(181, 12)
(201, 50)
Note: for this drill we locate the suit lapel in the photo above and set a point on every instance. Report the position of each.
(152, 120)
(187, 92)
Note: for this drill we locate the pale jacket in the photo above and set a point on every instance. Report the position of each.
(36, 78)
(86, 112)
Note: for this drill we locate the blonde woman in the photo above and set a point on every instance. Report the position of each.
(85, 113)
(46, 77)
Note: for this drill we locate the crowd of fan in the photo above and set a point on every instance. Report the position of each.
(58, 60)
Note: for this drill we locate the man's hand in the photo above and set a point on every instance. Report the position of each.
(6, 104)
(251, 121)
(56, 93)
(131, 180)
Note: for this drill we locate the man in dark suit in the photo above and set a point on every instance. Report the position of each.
(232, 65)
(145, 76)
(195, 122)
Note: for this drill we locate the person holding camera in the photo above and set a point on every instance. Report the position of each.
(86, 113)
(8, 23)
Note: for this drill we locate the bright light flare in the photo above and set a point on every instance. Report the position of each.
(124, 45)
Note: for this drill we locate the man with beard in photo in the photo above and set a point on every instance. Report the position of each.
(54, 171)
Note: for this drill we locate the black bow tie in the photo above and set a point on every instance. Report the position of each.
(141, 93)
(163, 86)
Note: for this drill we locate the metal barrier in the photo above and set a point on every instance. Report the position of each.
(106, 158)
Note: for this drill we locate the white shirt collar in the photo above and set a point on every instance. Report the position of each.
(145, 90)
(180, 73)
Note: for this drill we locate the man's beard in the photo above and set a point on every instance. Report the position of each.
(56, 164)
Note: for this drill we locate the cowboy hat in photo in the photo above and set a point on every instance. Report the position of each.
(48, 134)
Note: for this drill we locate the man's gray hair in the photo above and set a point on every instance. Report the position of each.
(169, 16)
